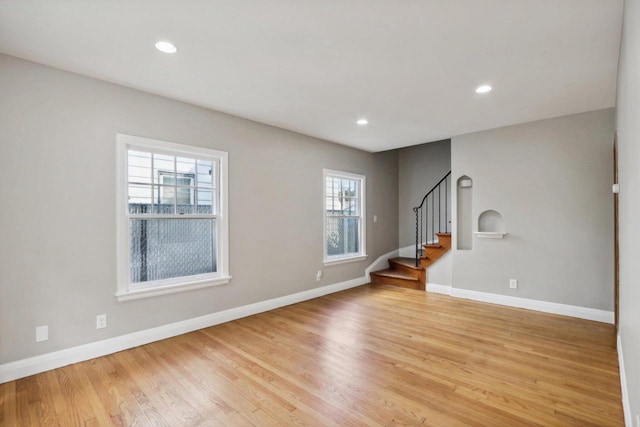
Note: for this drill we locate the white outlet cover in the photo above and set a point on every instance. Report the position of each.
(42, 333)
(101, 321)
(513, 284)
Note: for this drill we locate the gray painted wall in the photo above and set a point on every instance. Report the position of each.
(551, 181)
(419, 169)
(628, 126)
(57, 223)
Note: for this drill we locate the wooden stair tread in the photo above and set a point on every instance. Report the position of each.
(433, 246)
(406, 262)
(396, 274)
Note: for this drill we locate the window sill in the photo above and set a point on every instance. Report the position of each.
(345, 260)
(171, 289)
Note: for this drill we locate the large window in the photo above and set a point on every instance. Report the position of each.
(172, 217)
(344, 217)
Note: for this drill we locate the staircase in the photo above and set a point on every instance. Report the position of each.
(403, 271)
(433, 217)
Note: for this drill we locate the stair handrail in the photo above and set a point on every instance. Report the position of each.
(418, 211)
(432, 190)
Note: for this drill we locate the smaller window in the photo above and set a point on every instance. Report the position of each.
(344, 217)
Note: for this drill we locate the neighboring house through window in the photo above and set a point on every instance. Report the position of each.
(181, 182)
(344, 217)
(172, 217)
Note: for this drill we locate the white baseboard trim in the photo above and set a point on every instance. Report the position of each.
(544, 306)
(530, 304)
(438, 289)
(626, 405)
(380, 263)
(57, 359)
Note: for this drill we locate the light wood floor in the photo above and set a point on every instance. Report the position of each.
(374, 355)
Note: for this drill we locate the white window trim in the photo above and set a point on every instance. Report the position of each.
(179, 284)
(344, 259)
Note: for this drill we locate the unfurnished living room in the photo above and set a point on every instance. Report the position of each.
(322, 213)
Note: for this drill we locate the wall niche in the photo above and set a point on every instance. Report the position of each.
(490, 225)
(464, 216)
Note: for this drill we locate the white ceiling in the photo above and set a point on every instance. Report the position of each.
(316, 66)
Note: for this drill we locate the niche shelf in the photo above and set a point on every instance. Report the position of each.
(490, 235)
(490, 225)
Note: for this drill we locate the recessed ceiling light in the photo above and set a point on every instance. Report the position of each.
(483, 89)
(166, 47)
(362, 122)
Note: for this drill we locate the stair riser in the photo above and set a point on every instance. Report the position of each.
(408, 270)
(426, 262)
(434, 253)
(444, 235)
(444, 240)
(411, 284)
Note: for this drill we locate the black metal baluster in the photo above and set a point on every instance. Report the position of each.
(421, 229)
(422, 225)
(439, 210)
(433, 204)
(446, 214)
(416, 211)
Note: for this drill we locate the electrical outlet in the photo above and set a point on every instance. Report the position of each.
(42, 333)
(513, 283)
(375, 218)
(318, 275)
(101, 321)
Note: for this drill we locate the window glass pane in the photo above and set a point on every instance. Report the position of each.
(350, 207)
(139, 162)
(342, 236)
(164, 200)
(205, 171)
(343, 197)
(206, 202)
(139, 158)
(139, 175)
(344, 185)
(163, 165)
(330, 184)
(177, 189)
(139, 198)
(186, 200)
(168, 248)
(138, 167)
(185, 165)
(333, 207)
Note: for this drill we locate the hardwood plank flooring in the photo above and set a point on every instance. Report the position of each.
(374, 355)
